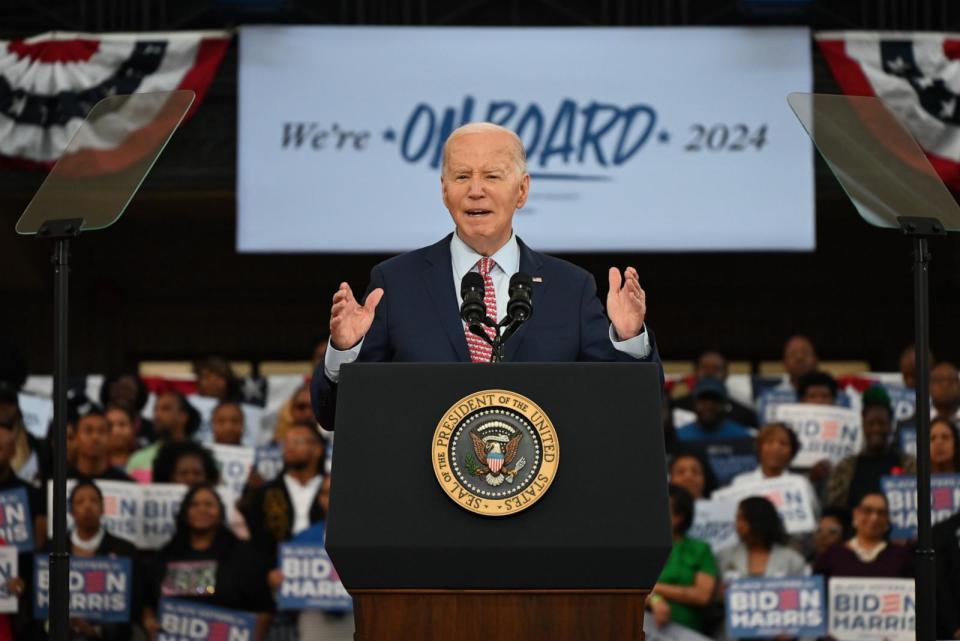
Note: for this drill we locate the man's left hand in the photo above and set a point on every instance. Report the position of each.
(626, 303)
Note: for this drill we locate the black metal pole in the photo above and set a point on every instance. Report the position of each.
(59, 613)
(926, 587)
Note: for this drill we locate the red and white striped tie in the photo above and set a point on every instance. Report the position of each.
(480, 350)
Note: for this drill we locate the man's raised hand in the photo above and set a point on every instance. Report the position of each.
(626, 303)
(349, 320)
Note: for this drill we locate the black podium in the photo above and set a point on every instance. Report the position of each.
(577, 564)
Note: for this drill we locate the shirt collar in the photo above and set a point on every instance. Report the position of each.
(465, 258)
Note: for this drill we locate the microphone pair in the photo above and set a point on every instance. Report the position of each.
(473, 311)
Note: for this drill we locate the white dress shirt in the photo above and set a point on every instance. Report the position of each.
(464, 259)
(301, 496)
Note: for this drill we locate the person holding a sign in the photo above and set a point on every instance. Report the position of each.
(868, 553)
(686, 584)
(205, 562)
(777, 445)
(88, 539)
(858, 475)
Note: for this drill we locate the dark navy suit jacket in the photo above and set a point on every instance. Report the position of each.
(418, 319)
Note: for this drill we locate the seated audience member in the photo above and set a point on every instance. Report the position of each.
(762, 550)
(945, 390)
(215, 378)
(205, 562)
(689, 471)
(122, 441)
(89, 538)
(944, 450)
(174, 420)
(867, 553)
(709, 404)
(296, 409)
(832, 528)
(186, 462)
(686, 584)
(799, 359)
(817, 388)
(858, 475)
(129, 390)
(713, 364)
(777, 446)
(227, 423)
(91, 450)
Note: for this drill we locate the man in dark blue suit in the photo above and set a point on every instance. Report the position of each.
(411, 310)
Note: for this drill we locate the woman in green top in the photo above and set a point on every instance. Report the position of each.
(689, 578)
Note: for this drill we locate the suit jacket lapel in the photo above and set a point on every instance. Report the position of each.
(530, 263)
(438, 278)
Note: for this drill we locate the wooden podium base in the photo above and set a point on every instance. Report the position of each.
(509, 615)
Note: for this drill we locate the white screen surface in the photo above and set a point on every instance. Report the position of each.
(653, 139)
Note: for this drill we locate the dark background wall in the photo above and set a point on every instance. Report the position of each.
(167, 283)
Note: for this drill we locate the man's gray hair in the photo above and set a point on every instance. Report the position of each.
(519, 153)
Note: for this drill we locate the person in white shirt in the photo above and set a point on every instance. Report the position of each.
(777, 445)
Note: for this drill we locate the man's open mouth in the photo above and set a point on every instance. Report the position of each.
(478, 212)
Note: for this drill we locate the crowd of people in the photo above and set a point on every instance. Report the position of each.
(225, 554)
(852, 537)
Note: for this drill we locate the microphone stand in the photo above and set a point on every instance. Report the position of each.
(500, 335)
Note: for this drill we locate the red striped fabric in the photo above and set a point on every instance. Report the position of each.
(480, 350)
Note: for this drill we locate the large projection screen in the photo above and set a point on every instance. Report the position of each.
(638, 139)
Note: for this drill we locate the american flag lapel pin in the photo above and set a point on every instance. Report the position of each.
(537, 279)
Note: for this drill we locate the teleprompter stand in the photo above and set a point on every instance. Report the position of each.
(889, 180)
(88, 189)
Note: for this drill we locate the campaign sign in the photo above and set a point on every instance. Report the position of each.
(825, 431)
(143, 514)
(100, 588)
(269, 461)
(16, 523)
(8, 570)
(901, 493)
(903, 400)
(713, 522)
(235, 462)
(727, 457)
(769, 607)
(907, 434)
(37, 412)
(190, 621)
(790, 495)
(160, 505)
(871, 609)
(310, 581)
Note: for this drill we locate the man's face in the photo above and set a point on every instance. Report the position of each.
(210, 383)
(86, 508)
(227, 425)
(300, 408)
(818, 395)
(482, 188)
(712, 365)
(944, 385)
(876, 429)
(93, 433)
(300, 448)
(709, 410)
(167, 414)
(799, 357)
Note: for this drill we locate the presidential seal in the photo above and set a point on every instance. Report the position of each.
(495, 452)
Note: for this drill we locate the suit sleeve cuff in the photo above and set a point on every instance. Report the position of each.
(638, 346)
(335, 358)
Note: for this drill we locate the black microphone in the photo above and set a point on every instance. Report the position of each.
(472, 310)
(520, 307)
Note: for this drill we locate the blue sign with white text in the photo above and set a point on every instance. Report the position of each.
(773, 607)
(100, 588)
